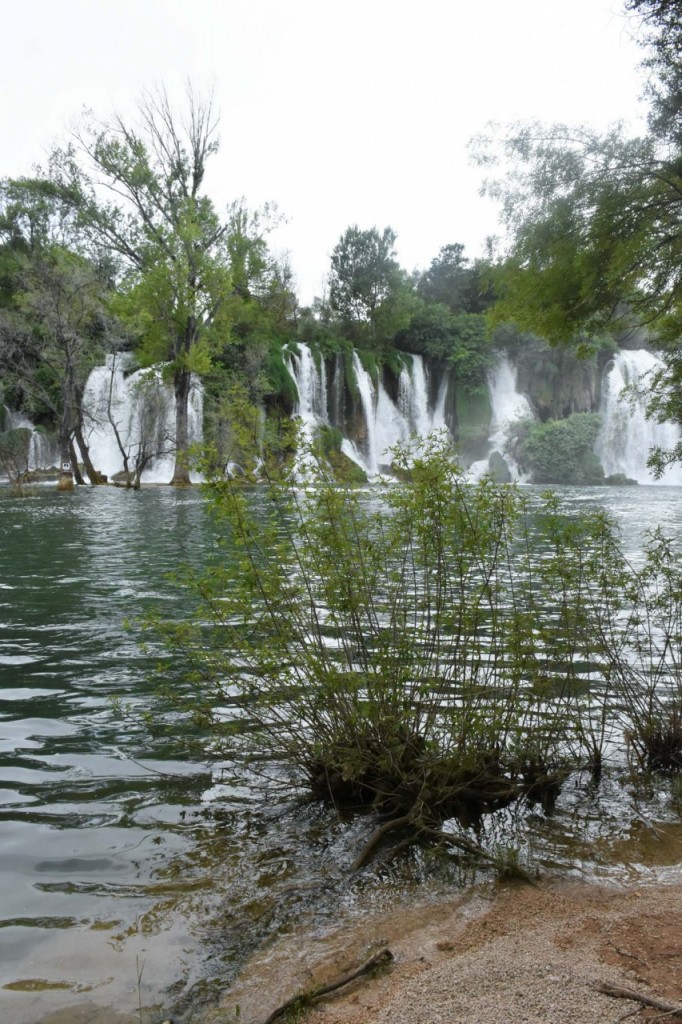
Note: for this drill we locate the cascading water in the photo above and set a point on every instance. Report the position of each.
(311, 408)
(42, 450)
(143, 410)
(311, 384)
(367, 458)
(627, 436)
(386, 423)
(413, 399)
(508, 407)
(140, 408)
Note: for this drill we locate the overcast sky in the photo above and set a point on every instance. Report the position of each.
(341, 111)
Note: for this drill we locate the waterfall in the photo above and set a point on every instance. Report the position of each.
(627, 435)
(42, 450)
(414, 399)
(389, 424)
(311, 408)
(508, 407)
(385, 422)
(368, 459)
(107, 390)
(311, 385)
(142, 408)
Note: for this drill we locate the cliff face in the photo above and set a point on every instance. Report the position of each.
(367, 407)
(556, 382)
(469, 418)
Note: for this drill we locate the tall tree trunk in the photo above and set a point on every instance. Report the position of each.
(66, 458)
(75, 468)
(94, 476)
(65, 450)
(69, 468)
(112, 422)
(182, 383)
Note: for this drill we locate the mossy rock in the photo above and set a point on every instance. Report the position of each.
(498, 469)
(345, 470)
(400, 473)
(330, 439)
(620, 480)
(122, 478)
(37, 476)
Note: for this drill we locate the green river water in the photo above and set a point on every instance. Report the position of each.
(132, 871)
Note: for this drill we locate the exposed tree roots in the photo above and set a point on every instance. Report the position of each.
(416, 790)
(420, 831)
(389, 826)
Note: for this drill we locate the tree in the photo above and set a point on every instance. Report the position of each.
(559, 451)
(137, 194)
(596, 223)
(51, 335)
(364, 274)
(438, 654)
(662, 21)
(451, 280)
(14, 456)
(457, 340)
(143, 435)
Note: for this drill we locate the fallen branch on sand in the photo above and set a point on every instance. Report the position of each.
(667, 1009)
(379, 959)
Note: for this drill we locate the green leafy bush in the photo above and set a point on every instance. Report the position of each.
(559, 451)
(421, 648)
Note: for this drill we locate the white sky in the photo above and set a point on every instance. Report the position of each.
(341, 111)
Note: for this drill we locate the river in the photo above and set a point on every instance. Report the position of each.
(130, 871)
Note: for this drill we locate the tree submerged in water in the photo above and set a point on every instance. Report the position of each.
(435, 650)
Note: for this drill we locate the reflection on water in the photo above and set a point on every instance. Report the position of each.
(88, 824)
(124, 864)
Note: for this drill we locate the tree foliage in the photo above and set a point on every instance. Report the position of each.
(54, 330)
(662, 23)
(595, 221)
(136, 191)
(451, 281)
(364, 275)
(14, 455)
(460, 341)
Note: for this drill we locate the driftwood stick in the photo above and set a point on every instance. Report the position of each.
(379, 959)
(669, 1009)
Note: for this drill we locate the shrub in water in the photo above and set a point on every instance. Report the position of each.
(433, 648)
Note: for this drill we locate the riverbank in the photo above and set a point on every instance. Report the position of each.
(509, 954)
(512, 954)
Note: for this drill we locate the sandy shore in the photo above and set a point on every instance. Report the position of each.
(506, 954)
(515, 954)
